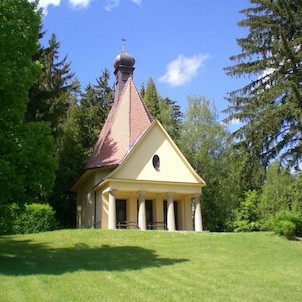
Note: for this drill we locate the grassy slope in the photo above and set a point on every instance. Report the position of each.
(99, 265)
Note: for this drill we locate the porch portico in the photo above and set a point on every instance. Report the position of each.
(146, 205)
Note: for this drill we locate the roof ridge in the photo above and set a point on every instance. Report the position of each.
(143, 103)
(129, 113)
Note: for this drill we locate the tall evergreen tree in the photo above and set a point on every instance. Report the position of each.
(50, 96)
(170, 116)
(151, 98)
(246, 170)
(164, 109)
(270, 105)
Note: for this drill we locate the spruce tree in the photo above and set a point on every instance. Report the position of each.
(151, 98)
(270, 106)
(164, 109)
(51, 95)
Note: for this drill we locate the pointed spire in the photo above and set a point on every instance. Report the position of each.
(123, 45)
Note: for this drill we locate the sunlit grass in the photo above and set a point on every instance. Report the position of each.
(100, 265)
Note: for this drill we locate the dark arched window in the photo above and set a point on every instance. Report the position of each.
(156, 162)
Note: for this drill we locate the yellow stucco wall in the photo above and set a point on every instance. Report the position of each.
(173, 167)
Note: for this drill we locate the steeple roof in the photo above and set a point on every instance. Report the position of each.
(126, 122)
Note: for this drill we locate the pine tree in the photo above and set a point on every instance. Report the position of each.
(50, 96)
(270, 106)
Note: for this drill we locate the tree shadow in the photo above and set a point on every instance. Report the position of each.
(26, 257)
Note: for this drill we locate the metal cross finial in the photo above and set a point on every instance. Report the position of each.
(123, 44)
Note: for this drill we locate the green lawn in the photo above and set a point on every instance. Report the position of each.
(125, 265)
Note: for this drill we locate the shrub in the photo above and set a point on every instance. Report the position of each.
(7, 217)
(36, 218)
(246, 216)
(285, 228)
(288, 224)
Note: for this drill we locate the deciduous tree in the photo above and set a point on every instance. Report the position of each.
(26, 152)
(205, 143)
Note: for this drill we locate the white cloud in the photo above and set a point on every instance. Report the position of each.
(111, 4)
(74, 3)
(183, 69)
(45, 3)
(79, 3)
(137, 2)
(233, 122)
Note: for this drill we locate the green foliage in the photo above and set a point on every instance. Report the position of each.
(277, 208)
(163, 109)
(275, 191)
(35, 218)
(7, 218)
(52, 93)
(26, 162)
(294, 195)
(246, 172)
(246, 216)
(151, 98)
(269, 106)
(170, 117)
(205, 142)
(85, 119)
(288, 224)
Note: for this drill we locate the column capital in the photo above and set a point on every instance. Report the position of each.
(110, 191)
(170, 194)
(141, 192)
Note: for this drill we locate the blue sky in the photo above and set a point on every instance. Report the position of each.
(182, 44)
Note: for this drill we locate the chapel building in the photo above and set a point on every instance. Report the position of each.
(136, 176)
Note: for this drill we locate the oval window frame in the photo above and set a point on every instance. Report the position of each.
(156, 162)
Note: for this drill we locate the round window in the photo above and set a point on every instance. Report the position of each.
(156, 162)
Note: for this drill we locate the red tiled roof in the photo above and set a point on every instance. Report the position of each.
(127, 120)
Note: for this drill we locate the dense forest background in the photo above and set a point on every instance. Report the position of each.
(49, 124)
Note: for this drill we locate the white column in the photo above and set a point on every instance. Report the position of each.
(197, 218)
(141, 210)
(112, 211)
(170, 212)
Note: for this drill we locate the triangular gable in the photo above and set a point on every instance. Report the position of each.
(138, 164)
(127, 120)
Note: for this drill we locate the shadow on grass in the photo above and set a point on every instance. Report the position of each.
(29, 258)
